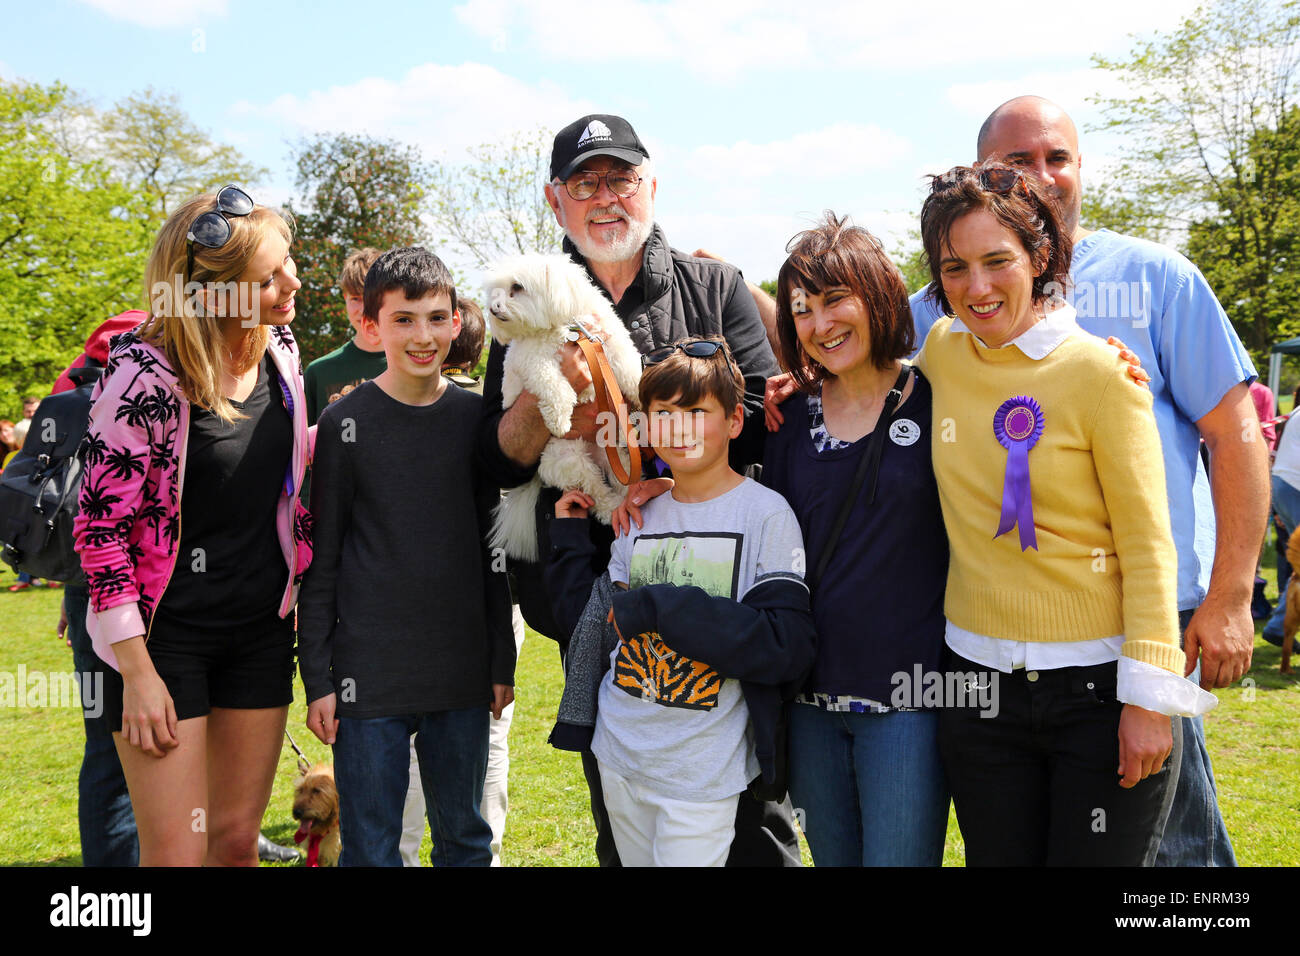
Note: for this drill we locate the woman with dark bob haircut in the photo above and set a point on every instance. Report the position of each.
(864, 755)
(1061, 594)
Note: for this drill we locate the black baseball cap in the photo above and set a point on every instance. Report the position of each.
(598, 134)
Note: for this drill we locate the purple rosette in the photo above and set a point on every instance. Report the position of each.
(1017, 425)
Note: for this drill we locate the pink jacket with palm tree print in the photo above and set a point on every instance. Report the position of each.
(128, 525)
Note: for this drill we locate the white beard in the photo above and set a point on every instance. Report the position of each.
(619, 250)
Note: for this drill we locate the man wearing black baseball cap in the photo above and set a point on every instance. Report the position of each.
(596, 135)
(602, 192)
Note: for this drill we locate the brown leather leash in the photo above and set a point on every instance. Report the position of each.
(610, 399)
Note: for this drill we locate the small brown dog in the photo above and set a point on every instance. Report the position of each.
(316, 808)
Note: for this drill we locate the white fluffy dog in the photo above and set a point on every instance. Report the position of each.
(533, 301)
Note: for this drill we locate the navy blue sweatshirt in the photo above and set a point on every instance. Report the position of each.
(879, 606)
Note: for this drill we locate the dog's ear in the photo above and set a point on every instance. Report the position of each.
(562, 277)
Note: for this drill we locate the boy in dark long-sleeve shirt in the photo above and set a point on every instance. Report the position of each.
(404, 626)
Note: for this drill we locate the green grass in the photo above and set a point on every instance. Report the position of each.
(1252, 738)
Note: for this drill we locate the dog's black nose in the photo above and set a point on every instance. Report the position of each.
(297, 814)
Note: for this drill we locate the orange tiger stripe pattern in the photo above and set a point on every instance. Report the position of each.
(648, 668)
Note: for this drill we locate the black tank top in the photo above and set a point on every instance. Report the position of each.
(229, 569)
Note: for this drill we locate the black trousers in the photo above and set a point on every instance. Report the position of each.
(1036, 785)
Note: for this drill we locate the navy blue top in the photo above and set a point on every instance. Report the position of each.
(879, 606)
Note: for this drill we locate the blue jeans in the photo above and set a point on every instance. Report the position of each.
(372, 760)
(870, 786)
(1286, 502)
(103, 803)
(104, 814)
(1195, 834)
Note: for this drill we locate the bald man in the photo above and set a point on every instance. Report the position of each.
(1160, 305)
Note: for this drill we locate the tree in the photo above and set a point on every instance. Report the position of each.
(1207, 126)
(1106, 206)
(494, 206)
(155, 148)
(353, 191)
(1251, 254)
(72, 242)
(909, 256)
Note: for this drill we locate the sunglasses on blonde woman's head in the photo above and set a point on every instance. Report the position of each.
(212, 229)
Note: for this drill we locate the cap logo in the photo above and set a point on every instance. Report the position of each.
(595, 130)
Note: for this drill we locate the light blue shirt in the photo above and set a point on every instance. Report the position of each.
(1161, 307)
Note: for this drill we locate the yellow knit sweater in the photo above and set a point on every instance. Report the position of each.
(1105, 562)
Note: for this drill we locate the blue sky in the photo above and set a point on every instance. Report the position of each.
(758, 114)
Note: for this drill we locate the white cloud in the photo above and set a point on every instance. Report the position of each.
(442, 109)
(725, 37)
(746, 175)
(1071, 89)
(717, 196)
(161, 13)
(716, 39)
(756, 242)
(815, 154)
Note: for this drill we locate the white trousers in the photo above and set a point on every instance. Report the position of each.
(653, 830)
(496, 798)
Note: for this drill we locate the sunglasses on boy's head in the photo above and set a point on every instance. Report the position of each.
(212, 229)
(693, 349)
(995, 179)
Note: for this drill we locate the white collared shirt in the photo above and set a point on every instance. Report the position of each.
(1139, 683)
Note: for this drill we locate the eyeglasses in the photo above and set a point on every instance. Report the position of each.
(996, 179)
(212, 229)
(696, 349)
(622, 183)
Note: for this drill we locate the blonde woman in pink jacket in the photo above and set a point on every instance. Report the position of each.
(191, 533)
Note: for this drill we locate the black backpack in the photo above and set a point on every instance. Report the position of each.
(39, 488)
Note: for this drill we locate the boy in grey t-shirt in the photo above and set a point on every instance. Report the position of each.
(713, 618)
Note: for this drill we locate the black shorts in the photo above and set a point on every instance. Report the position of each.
(247, 668)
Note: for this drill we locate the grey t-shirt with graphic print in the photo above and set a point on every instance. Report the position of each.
(669, 722)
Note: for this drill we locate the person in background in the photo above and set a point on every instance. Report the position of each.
(467, 349)
(357, 360)
(104, 816)
(1286, 507)
(1266, 408)
(18, 436)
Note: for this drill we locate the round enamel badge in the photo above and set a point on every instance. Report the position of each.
(904, 431)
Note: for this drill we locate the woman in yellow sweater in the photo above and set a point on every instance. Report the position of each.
(1061, 599)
